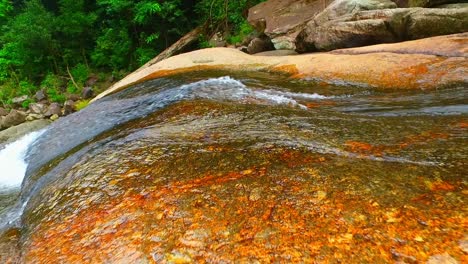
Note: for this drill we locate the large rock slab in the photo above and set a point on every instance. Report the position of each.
(380, 26)
(406, 65)
(340, 8)
(13, 133)
(282, 20)
(446, 46)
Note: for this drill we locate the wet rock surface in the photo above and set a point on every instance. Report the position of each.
(273, 171)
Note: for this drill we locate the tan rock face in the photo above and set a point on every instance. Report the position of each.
(421, 64)
(379, 26)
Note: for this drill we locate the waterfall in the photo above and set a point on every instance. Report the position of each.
(12, 160)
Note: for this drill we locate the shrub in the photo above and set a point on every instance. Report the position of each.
(81, 104)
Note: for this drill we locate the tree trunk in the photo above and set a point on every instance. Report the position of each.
(175, 48)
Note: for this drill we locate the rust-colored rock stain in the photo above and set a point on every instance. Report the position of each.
(224, 201)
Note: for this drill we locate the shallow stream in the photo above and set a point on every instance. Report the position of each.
(246, 168)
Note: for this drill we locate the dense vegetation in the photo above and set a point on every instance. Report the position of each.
(57, 44)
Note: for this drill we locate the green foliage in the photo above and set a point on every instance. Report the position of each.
(26, 88)
(52, 84)
(113, 48)
(7, 92)
(26, 103)
(40, 40)
(80, 73)
(28, 44)
(203, 42)
(81, 104)
(145, 10)
(243, 30)
(5, 8)
(230, 15)
(55, 95)
(51, 81)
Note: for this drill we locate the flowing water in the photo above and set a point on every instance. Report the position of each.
(247, 168)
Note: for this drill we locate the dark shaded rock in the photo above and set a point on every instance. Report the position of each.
(91, 81)
(54, 109)
(73, 97)
(37, 108)
(260, 44)
(281, 20)
(243, 49)
(87, 93)
(3, 111)
(69, 107)
(19, 100)
(40, 95)
(13, 118)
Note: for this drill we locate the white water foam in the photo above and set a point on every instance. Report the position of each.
(12, 160)
(232, 89)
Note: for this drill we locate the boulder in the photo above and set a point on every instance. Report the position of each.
(3, 111)
(91, 81)
(428, 3)
(32, 117)
(37, 108)
(53, 109)
(13, 118)
(73, 97)
(456, 5)
(259, 45)
(40, 95)
(381, 26)
(69, 107)
(428, 22)
(340, 8)
(19, 100)
(87, 92)
(281, 20)
(54, 117)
